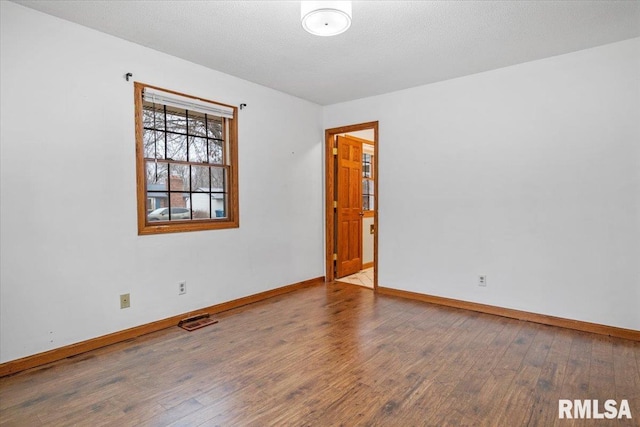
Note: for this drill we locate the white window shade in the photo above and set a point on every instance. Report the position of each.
(171, 99)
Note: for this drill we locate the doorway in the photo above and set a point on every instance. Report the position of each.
(351, 182)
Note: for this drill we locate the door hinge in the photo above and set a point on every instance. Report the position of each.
(335, 204)
(335, 151)
(335, 257)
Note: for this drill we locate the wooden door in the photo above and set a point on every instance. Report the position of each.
(349, 209)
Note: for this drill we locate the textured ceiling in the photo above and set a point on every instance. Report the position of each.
(391, 45)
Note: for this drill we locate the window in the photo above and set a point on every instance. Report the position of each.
(187, 162)
(368, 178)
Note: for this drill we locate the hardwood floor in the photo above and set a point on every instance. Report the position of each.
(334, 355)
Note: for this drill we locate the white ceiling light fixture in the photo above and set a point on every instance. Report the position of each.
(326, 18)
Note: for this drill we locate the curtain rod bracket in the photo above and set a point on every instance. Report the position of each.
(126, 76)
(242, 106)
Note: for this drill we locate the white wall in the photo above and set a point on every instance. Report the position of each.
(69, 242)
(528, 174)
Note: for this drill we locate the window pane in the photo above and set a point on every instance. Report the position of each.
(178, 191)
(367, 194)
(371, 202)
(216, 152)
(200, 204)
(176, 147)
(179, 180)
(366, 165)
(169, 214)
(180, 213)
(214, 127)
(158, 214)
(153, 144)
(198, 150)
(208, 205)
(156, 200)
(176, 120)
(200, 178)
(157, 174)
(153, 118)
(197, 124)
(219, 179)
(219, 205)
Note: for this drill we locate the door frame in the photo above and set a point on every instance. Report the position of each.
(330, 196)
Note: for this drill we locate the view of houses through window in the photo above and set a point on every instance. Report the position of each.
(184, 154)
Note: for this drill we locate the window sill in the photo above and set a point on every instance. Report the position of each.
(180, 227)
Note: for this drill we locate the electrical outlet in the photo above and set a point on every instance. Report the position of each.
(182, 287)
(125, 301)
(482, 280)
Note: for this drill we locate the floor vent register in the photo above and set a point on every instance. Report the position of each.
(196, 322)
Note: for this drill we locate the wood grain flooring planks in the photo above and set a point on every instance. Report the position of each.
(329, 356)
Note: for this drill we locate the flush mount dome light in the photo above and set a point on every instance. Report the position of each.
(326, 18)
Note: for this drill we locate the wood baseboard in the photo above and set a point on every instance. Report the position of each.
(367, 265)
(56, 354)
(578, 325)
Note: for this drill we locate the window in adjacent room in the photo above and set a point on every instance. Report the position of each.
(187, 162)
(368, 178)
